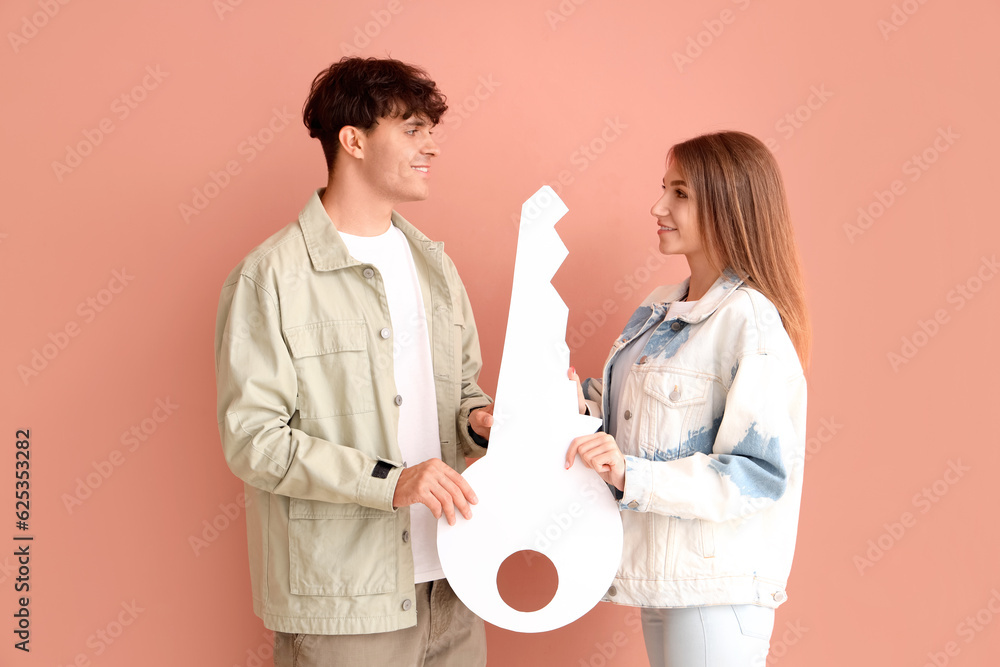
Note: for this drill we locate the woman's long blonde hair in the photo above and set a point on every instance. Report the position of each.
(744, 221)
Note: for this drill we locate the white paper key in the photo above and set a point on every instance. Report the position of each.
(527, 498)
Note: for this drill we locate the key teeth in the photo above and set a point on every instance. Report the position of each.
(553, 249)
(538, 310)
(540, 253)
(543, 209)
(540, 250)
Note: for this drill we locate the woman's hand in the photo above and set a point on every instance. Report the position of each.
(600, 453)
(581, 403)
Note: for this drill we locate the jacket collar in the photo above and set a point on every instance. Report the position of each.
(327, 249)
(720, 290)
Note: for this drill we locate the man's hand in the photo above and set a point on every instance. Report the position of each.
(599, 452)
(435, 484)
(481, 421)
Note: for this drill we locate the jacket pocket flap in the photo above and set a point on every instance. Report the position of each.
(300, 508)
(311, 340)
(676, 390)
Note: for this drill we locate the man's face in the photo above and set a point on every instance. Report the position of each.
(397, 158)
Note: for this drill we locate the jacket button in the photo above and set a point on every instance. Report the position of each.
(368, 273)
(407, 604)
(633, 504)
(406, 536)
(677, 326)
(628, 414)
(612, 591)
(675, 395)
(384, 332)
(780, 597)
(398, 400)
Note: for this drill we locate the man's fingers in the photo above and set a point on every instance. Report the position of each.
(447, 503)
(433, 504)
(481, 419)
(451, 490)
(436, 485)
(461, 483)
(457, 497)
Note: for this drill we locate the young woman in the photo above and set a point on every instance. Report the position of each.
(703, 398)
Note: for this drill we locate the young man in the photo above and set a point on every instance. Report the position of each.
(347, 360)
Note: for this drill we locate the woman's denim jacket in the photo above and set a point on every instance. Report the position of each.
(714, 442)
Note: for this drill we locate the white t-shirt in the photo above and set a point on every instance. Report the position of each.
(418, 434)
(626, 358)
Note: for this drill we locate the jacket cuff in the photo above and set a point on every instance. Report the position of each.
(379, 486)
(638, 484)
(476, 438)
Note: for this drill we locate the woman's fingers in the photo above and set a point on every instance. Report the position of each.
(600, 453)
(575, 448)
(592, 448)
(581, 403)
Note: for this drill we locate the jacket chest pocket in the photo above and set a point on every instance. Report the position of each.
(340, 549)
(671, 414)
(332, 368)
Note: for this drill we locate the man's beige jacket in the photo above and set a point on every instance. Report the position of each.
(308, 410)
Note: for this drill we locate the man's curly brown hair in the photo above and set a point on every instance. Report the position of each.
(359, 91)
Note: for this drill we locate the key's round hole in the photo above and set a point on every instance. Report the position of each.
(527, 580)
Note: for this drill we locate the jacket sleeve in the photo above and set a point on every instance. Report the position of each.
(472, 396)
(760, 433)
(257, 390)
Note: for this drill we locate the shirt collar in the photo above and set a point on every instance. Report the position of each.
(327, 249)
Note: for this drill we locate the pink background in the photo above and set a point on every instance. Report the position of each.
(532, 86)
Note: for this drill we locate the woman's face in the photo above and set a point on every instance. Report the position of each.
(676, 216)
